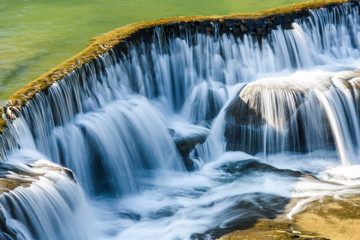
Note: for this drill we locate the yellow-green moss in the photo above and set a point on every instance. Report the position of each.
(104, 43)
(271, 230)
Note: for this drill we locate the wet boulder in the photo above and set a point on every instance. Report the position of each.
(283, 114)
(186, 140)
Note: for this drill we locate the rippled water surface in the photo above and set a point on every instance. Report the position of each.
(36, 35)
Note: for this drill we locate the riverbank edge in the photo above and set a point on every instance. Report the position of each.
(121, 36)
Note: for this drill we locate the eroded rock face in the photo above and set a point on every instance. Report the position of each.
(283, 114)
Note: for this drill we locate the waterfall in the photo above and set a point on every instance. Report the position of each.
(303, 112)
(243, 113)
(48, 204)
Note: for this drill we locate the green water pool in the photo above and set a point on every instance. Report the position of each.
(36, 35)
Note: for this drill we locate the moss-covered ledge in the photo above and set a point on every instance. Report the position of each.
(256, 24)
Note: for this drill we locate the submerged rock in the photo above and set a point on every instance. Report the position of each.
(245, 167)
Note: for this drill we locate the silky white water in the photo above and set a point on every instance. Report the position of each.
(189, 137)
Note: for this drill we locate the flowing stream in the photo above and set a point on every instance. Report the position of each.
(189, 137)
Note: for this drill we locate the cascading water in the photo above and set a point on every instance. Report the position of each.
(41, 200)
(317, 110)
(129, 125)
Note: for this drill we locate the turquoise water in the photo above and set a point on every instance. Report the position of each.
(38, 35)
